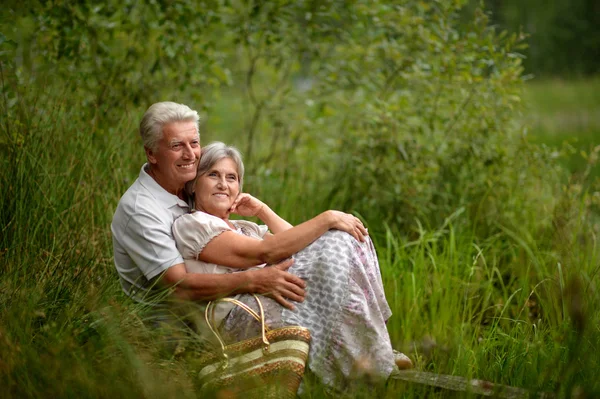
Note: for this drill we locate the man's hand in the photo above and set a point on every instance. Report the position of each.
(275, 281)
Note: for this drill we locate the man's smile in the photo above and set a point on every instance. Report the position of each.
(187, 165)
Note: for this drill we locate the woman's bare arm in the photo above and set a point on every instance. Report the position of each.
(247, 205)
(275, 222)
(234, 250)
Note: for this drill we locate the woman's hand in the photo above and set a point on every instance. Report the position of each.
(348, 223)
(246, 205)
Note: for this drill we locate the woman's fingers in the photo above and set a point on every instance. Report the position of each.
(235, 204)
(354, 234)
(242, 197)
(361, 227)
(246, 205)
(361, 230)
(359, 235)
(351, 225)
(355, 227)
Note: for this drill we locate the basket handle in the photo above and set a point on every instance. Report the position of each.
(210, 309)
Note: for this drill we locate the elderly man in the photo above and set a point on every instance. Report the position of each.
(145, 253)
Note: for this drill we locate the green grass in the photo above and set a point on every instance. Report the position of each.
(566, 114)
(517, 307)
(462, 309)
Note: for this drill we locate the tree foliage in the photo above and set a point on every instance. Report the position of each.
(564, 35)
(116, 53)
(398, 110)
(406, 113)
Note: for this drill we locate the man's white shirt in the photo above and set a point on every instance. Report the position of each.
(142, 235)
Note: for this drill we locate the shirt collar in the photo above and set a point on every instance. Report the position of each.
(163, 196)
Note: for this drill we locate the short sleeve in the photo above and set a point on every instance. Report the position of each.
(251, 229)
(150, 244)
(194, 230)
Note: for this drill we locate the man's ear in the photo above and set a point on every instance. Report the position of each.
(150, 155)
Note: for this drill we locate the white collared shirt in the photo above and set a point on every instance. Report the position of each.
(143, 242)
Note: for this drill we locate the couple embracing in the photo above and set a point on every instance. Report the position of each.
(171, 230)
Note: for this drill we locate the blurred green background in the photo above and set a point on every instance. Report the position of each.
(562, 61)
(465, 133)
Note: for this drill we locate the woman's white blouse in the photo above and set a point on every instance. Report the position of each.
(193, 231)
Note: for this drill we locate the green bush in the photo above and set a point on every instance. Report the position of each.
(401, 112)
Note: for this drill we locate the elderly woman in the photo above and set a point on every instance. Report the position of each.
(344, 308)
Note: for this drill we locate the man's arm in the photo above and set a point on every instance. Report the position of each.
(273, 281)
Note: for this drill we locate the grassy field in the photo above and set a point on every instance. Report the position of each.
(517, 307)
(566, 115)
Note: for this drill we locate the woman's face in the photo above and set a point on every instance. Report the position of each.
(216, 190)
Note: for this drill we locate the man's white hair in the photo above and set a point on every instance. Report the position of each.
(160, 114)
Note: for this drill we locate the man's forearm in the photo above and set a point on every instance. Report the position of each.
(274, 281)
(202, 287)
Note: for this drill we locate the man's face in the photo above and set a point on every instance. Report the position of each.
(175, 161)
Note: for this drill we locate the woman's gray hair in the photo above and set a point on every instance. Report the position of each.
(160, 114)
(213, 153)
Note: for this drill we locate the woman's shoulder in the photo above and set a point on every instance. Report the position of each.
(193, 231)
(199, 219)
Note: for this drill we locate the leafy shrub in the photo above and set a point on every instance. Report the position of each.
(399, 111)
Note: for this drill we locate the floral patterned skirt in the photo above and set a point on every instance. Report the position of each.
(345, 310)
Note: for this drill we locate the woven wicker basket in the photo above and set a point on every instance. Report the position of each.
(270, 365)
